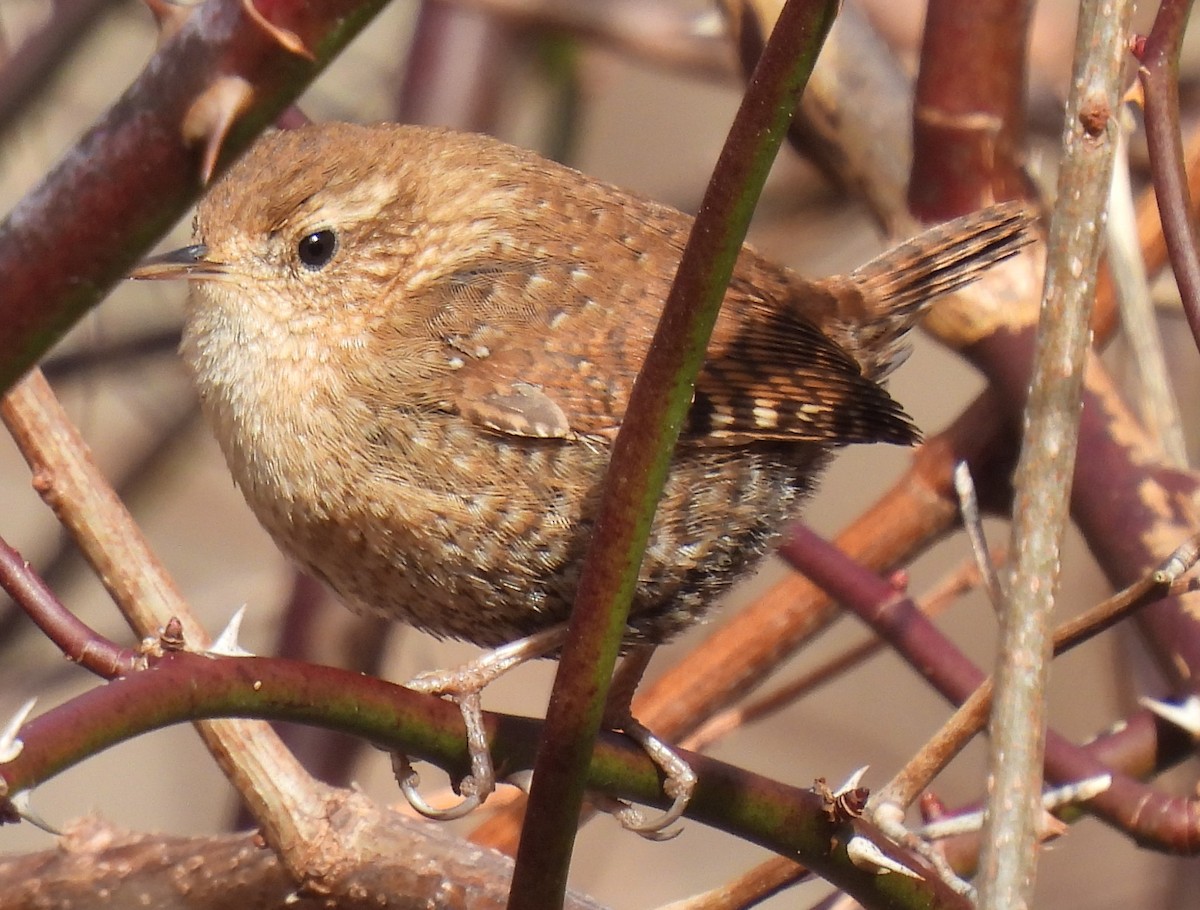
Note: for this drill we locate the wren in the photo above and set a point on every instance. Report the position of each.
(416, 347)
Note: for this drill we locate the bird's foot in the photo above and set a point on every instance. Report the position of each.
(679, 785)
(679, 779)
(464, 685)
(475, 788)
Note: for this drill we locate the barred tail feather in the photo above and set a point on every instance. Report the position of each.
(907, 278)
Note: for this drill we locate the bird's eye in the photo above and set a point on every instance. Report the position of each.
(316, 249)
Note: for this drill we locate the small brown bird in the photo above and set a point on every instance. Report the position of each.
(416, 348)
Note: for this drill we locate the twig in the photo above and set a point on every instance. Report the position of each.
(857, 73)
(110, 354)
(968, 720)
(969, 113)
(747, 890)
(454, 68)
(1153, 246)
(722, 724)
(74, 638)
(285, 800)
(28, 71)
(133, 477)
(1159, 409)
(1139, 745)
(968, 505)
(1053, 800)
(790, 820)
(1159, 72)
(313, 629)
(400, 863)
(659, 34)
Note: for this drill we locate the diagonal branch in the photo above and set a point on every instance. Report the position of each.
(134, 172)
(285, 800)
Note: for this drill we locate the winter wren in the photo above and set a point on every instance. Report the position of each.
(416, 347)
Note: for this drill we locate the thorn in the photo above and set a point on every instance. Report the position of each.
(968, 507)
(287, 39)
(1050, 827)
(1185, 715)
(1079, 791)
(21, 802)
(209, 118)
(867, 856)
(227, 644)
(170, 16)
(951, 825)
(10, 744)
(852, 781)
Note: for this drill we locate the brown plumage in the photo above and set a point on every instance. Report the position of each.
(416, 347)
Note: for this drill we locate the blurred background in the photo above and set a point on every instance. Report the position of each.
(649, 118)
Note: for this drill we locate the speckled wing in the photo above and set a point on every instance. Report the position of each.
(557, 365)
(771, 375)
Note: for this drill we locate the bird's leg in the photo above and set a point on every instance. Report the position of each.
(489, 666)
(463, 685)
(680, 780)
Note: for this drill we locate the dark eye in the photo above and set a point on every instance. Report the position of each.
(316, 249)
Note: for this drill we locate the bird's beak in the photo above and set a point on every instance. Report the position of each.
(188, 262)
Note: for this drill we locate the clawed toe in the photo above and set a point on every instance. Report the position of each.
(680, 784)
(631, 818)
(409, 780)
(463, 686)
(475, 787)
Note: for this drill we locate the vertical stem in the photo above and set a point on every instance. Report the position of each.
(1043, 477)
(1159, 73)
(642, 451)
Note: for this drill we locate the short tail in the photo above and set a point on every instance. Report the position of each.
(904, 280)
